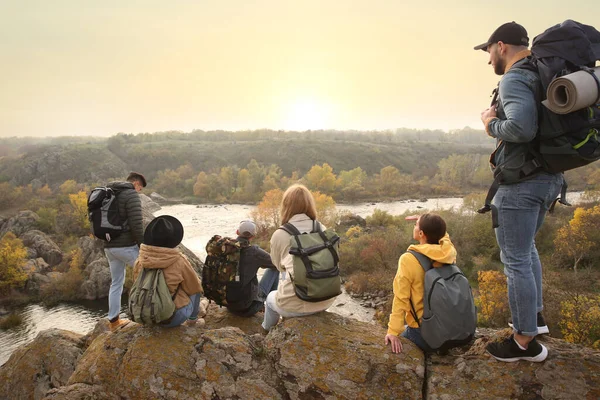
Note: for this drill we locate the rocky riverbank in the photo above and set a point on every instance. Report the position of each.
(324, 356)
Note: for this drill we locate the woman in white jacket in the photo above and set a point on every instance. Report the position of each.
(298, 208)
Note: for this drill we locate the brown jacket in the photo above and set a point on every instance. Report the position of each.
(176, 268)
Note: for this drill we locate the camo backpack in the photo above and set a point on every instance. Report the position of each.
(221, 268)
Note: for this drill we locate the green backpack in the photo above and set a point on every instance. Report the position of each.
(150, 301)
(316, 272)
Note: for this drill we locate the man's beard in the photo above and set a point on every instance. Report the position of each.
(500, 65)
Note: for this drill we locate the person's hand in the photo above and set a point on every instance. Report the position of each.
(412, 218)
(395, 342)
(488, 113)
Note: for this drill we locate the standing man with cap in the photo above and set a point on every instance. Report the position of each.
(124, 249)
(250, 294)
(159, 251)
(521, 202)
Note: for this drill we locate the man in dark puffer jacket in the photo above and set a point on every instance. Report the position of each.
(124, 249)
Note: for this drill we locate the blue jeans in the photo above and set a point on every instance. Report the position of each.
(118, 258)
(190, 311)
(522, 208)
(268, 283)
(414, 335)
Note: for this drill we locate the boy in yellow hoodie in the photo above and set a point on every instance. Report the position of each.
(434, 242)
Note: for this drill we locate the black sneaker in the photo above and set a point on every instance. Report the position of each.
(541, 324)
(509, 351)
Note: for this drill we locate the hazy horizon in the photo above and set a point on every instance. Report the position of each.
(96, 69)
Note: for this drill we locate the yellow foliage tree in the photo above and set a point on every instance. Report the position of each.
(579, 239)
(580, 321)
(201, 185)
(12, 259)
(326, 209)
(79, 209)
(266, 214)
(68, 187)
(493, 298)
(321, 178)
(44, 192)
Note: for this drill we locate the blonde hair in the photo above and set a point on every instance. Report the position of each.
(297, 199)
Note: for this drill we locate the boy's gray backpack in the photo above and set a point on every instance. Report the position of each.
(449, 313)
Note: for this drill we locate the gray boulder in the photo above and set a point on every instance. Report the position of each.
(349, 220)
(47, 362)
(158, 198)
(37, 265)
(149, 204)
(44, 246)
(20, 223)
(97, 283)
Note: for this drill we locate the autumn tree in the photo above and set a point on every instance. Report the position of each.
(580, 239)
(580, 321)
(12, 259)
(388, 181)
(68, 187)
(326, 209)
(350, 184)
(266, 215)
(321, 178)
(201, 185)
(493, 298)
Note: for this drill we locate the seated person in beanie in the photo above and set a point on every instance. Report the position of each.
(161, 238)
(251, 294)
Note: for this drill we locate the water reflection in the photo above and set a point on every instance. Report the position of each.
(80, 317)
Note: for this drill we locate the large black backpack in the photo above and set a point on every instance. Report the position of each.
(563, 141)
(103, 213)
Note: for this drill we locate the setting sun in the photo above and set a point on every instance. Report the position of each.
(307, 114)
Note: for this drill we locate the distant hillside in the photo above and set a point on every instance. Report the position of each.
(291, 155)
(96, 161)
(53, 165)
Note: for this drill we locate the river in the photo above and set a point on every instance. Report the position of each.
(200, 223)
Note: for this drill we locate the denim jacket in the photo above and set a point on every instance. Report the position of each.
(519, 94)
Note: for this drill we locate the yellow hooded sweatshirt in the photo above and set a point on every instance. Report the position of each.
(408, 283)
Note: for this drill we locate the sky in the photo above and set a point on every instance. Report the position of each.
(83, 67)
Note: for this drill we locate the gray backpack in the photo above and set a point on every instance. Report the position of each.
(449, 313)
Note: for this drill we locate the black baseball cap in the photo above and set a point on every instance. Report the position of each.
(509, 33)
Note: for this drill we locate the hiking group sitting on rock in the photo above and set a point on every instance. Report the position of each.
(433, 305)
(301, 274)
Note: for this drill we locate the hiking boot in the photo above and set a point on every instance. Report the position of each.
(509, 351)
(541, 324)
(113, 326)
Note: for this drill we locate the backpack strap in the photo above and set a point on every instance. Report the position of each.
(290, 228)
(414, 312)
(422, 259)
(328, 243)
(426, 264)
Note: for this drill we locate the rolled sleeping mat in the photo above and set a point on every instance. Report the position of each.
(573, 92)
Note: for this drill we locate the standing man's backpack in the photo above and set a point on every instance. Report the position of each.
(221, 268)
(449, 313)
(316, 272)
(572, 140)
(150, 301)
(103, 213)
(563, 141)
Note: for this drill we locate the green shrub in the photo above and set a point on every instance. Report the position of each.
(47, 219)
